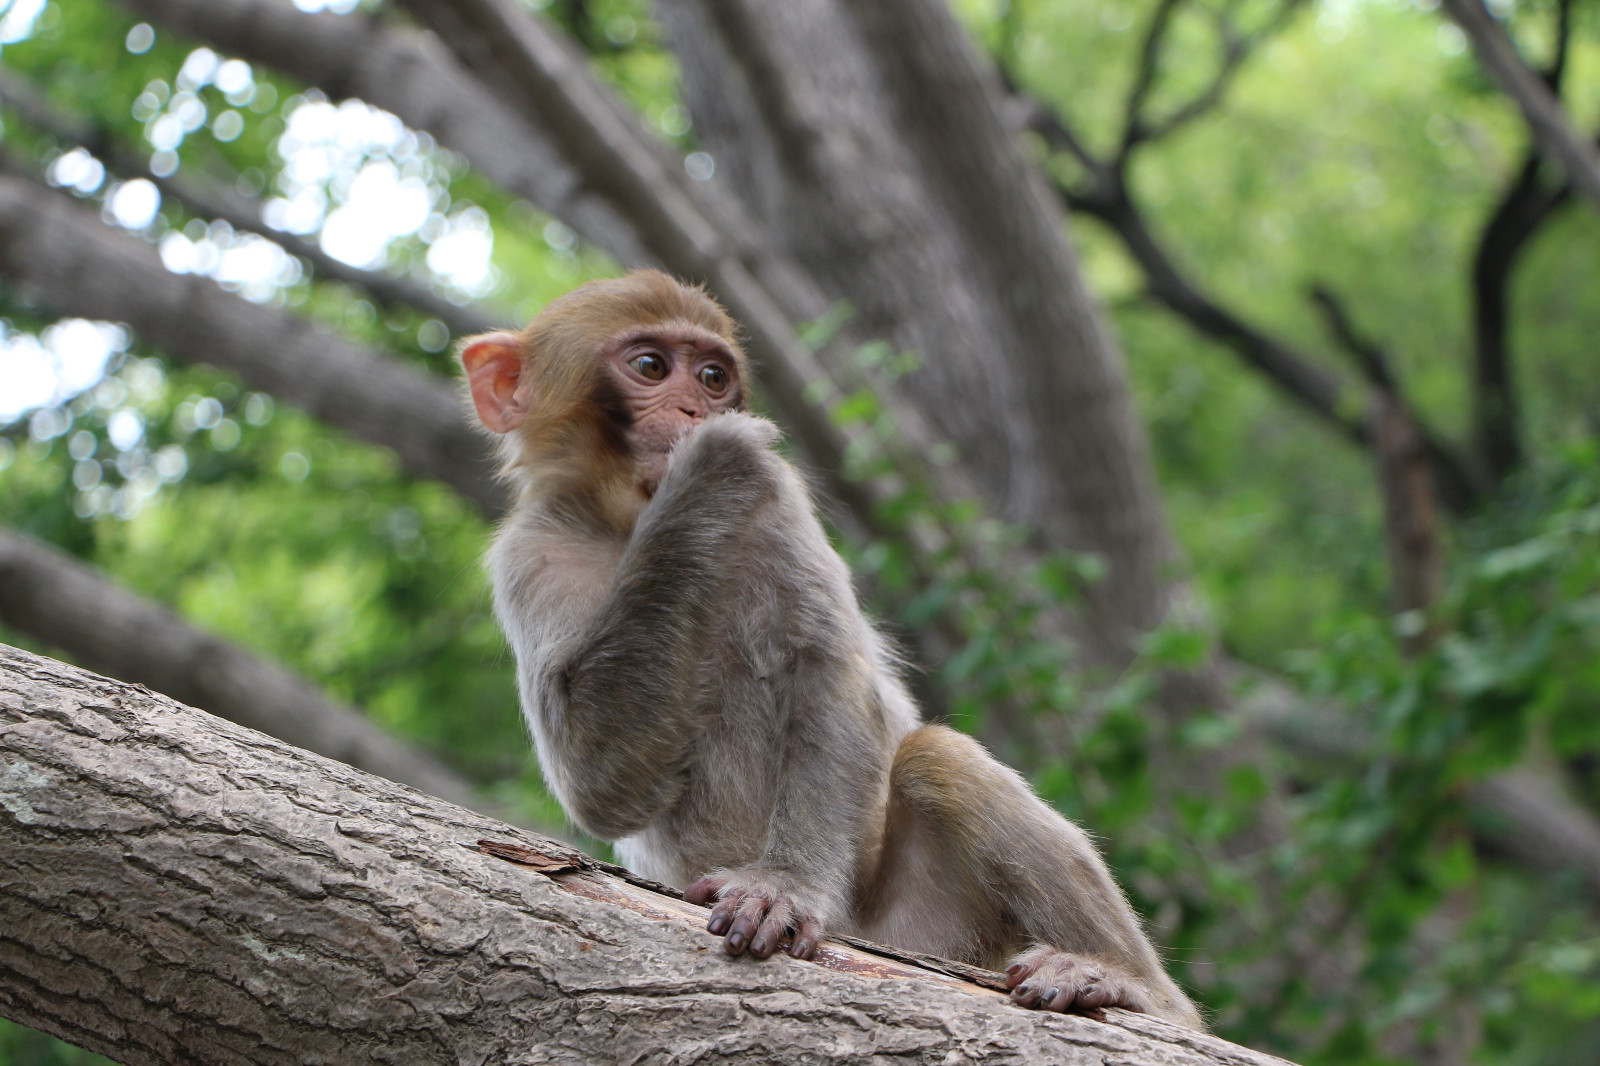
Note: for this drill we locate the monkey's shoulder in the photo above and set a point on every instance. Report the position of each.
(536, 559)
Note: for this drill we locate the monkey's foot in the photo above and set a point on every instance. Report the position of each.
(756, 909)
(1048, 979)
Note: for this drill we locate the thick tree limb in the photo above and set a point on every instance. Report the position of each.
(240, 212)
(1551, 128)
(62, 602)
(411, 76)
(58, 253)
(626, 194)
(175, 889)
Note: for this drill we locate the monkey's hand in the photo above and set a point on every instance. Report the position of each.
(1048, 979)
(724, 446)
(758, 908)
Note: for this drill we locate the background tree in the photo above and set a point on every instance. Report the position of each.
(1351, 854)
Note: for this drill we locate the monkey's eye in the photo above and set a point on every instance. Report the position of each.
(714, 378)
(650, 366)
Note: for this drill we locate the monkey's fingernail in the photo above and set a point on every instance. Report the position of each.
(1014, 969)
(759, 945)
(718, 924)
(1052, 994)
(736, 942)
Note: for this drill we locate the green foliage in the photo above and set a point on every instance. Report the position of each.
(1359, 149)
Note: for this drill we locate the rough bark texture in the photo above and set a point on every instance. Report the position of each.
(60, 601)
(177, 889)
(58, 253)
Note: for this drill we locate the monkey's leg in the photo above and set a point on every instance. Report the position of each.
(977, 866)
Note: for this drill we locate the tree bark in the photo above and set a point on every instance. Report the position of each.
(53, 597)
(176, 889)
(870, 142)
(58, 253)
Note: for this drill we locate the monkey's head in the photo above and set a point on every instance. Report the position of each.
(592, 395)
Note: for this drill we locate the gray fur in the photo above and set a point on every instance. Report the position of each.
(707, 693)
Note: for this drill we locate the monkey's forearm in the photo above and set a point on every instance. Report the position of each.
(624, 695)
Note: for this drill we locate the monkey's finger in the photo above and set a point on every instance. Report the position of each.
(1017, 973)
(705, 890)
(1057, 999)
(723, 914)
(1026, 995)
(746, 922)
(766, 939)
(806, 939)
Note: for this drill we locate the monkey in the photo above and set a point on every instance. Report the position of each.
(704, 690)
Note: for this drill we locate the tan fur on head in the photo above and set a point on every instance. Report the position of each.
(569, 439)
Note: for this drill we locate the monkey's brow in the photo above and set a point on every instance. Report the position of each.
(677, 332)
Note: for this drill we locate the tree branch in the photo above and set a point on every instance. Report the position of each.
(1372, 360)
(175, 889)
(217, 202)
(1551, 128)
(1522, 209)
(1523, 812)
(1524, 206)
(1107, 197)
(62, 602)
(549, 131)
(58, 253)
(1236, 47)
(1134, 129)
(411, 76)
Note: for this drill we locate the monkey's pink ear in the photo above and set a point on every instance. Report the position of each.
(494, 370)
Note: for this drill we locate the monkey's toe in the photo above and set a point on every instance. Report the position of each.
(1047, 979)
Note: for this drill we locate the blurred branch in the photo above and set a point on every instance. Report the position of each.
(1540, 106)
(1106, 194)
(209, 200)
(1522, 209)
(410, 75)
(55, 251)
(1236, 47)
(1524, 813)
(1372, 360)
(1134, 129)
(1405, 476)
(62, 602)
(521, 104)
(1524, 206)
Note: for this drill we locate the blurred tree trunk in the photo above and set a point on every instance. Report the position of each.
(65, 604)
(881, 175)
(176, 890)
(56, 252)
(870, 142)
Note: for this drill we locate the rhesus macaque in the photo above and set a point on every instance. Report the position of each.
(704, 690)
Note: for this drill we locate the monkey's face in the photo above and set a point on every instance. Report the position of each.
(670, 377)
